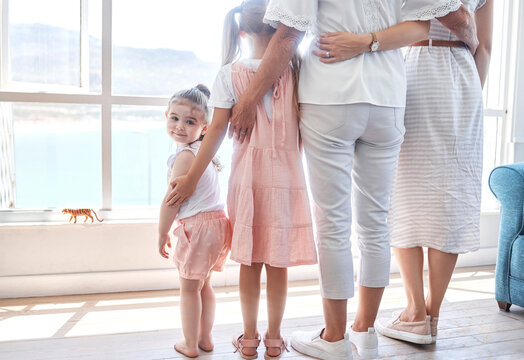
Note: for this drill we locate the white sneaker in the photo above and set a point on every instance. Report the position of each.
(365, 342)
(310, 343)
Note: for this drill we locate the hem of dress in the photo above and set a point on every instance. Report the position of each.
(444, 250)
(270, 263)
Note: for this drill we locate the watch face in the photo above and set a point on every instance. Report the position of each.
(374, 46)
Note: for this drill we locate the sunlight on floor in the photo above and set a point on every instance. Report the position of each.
(150, 311)
(32, 326)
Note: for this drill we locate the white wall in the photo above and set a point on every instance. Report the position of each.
(61, 259)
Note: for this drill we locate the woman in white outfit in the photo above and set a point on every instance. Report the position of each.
(352, 109)
(435, 201)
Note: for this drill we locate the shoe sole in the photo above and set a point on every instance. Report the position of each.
(403, 335)
(319, 354)
(366, 353)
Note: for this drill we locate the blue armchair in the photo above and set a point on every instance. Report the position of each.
(507, 184)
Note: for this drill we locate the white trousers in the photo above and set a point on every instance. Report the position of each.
(352, 153)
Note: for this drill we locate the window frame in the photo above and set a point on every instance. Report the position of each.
(107, 100)
(23, 86)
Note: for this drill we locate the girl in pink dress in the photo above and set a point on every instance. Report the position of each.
(267, 198)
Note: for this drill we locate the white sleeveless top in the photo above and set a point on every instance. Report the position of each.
(207, 194)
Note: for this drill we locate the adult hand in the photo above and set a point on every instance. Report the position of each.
(473, 44)
(340, 46)
(183, 188)
(164, 240)
(242, 121)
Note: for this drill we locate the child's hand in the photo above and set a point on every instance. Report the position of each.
(164, 240)
(183, 188)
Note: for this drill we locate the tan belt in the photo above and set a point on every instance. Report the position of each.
(445, 43)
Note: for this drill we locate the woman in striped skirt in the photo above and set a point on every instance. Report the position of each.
(435, 201)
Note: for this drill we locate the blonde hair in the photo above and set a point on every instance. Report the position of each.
(251, 20)
(197, 97)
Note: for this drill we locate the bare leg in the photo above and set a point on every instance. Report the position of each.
(411, 264)
(205, 341)
(249, 286)
(368, 303)
(441, 266)
(335, 315)
(190, 311)
(276, 303)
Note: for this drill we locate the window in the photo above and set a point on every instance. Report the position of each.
(83, 88)
(496, 97)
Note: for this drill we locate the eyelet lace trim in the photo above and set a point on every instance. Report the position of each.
(372, 8)
(439, 9)
(276, 15)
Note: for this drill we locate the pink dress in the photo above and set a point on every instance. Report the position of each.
(267, 198)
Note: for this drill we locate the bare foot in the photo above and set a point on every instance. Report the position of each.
(185, 350)
(206, 343)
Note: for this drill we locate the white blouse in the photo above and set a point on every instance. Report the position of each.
(377, 78)
(224, 95)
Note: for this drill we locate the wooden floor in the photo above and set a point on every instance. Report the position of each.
(144, 325)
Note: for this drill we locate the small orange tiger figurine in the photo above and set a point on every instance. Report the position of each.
(81, 212)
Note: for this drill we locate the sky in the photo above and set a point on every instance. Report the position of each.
(194, 25)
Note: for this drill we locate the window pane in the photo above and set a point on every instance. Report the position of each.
(491, 136)
(141, 148)
(140, 151)
(496, 81)
(44, 41)
(168, 48)
(57, 155)
(94, 18)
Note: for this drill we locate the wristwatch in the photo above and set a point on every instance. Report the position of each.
(374, 43)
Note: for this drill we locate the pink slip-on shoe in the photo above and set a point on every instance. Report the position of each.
(417, 332)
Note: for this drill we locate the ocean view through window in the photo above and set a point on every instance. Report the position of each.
(74, 135)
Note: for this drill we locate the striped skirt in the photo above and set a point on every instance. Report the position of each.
(435, 199)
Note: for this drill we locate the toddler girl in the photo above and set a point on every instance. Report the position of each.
(204, 234)
(267, 199)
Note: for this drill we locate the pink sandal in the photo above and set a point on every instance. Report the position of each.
(280, 344)
(240, 344)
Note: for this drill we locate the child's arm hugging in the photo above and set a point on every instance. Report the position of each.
(168, 214)
(184, 186)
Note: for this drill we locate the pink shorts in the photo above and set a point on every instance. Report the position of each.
(203, 242)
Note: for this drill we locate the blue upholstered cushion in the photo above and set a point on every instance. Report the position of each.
(507, 184)
(516, 269)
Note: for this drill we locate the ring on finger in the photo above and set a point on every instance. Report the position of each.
(244, 132)
(327, 54)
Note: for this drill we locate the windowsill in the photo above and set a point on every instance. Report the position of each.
(78, 223)
(118, 218)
